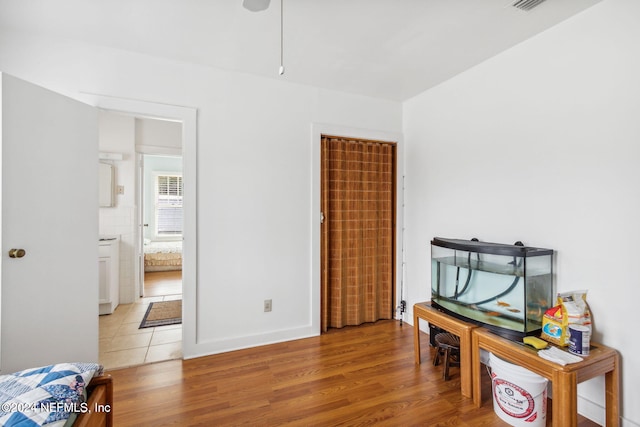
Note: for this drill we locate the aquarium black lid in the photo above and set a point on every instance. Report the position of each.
(490, 248)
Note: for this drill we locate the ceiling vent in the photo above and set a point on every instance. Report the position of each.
(527, 5)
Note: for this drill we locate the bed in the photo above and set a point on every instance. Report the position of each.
(162, 256)
(59, 395)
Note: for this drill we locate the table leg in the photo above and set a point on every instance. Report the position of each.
(564, 386)
(612, 399)
(466, 386)
(416, 337)
(475, 371)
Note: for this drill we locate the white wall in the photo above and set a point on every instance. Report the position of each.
(541, 144)
(254, 158)
(158, 136)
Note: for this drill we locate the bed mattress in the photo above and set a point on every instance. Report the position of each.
(163, 256)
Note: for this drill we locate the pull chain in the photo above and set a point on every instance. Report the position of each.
(281, 71)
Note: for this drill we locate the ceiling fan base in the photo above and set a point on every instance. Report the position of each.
(256, 5)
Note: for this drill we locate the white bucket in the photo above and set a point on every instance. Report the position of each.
(519, 395)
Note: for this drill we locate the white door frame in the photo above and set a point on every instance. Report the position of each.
(139, 253)
(188, 117)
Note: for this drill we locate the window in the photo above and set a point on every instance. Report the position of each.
(169, 205)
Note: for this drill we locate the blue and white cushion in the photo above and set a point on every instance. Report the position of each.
(39, 396)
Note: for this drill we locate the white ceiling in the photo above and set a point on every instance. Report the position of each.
(391, 49)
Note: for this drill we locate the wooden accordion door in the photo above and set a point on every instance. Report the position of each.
(357, 232)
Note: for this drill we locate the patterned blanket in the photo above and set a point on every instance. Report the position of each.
(44, 395)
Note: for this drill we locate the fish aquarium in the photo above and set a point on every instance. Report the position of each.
(505, 288)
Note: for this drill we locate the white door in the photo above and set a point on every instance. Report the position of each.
(49, 198)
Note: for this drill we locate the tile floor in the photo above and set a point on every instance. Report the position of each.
(122, 344)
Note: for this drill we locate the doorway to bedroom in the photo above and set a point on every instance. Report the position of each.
(161, 217)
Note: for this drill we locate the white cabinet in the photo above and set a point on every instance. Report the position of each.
(109, 273)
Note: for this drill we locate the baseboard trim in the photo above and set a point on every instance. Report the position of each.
(596, 413)
(210, 347)
(591, 410)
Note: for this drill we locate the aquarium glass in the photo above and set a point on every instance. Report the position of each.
(504, 287)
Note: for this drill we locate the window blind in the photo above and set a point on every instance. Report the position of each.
(169, 205)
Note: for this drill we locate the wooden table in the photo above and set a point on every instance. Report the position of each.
(564, 379)
(423, 310)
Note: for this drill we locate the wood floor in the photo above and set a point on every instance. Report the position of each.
(161, 283)
(354, 376)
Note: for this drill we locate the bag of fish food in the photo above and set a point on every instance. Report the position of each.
(576, 309)
(553, 327)
(572, 309)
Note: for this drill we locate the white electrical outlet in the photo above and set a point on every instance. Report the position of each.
(267, 305)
